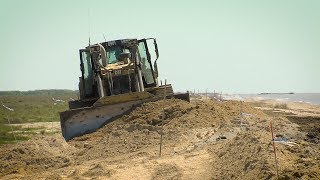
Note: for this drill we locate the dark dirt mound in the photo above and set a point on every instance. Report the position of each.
(310, 125)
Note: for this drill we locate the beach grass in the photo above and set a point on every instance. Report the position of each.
(30, 106)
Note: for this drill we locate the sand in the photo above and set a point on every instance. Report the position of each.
(201, 140)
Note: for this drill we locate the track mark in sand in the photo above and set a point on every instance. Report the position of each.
(200, 137)
(97, 170)
(189, 165)
(166, 171)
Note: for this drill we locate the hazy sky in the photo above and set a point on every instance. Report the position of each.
(230, 46)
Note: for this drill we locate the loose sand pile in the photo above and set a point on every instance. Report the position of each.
(201, 140)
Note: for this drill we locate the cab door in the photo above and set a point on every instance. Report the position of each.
(146, 65)
(87, 73)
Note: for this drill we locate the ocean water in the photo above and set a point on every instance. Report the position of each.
(312, 98)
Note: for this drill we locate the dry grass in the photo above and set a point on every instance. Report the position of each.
(281, 106)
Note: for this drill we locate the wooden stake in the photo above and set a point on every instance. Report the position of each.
(274, 149)
(241, 114)
(206, 93)
(165, 89)
(160, 141)
(161, 134)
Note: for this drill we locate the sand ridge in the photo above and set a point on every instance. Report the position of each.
(202, 139)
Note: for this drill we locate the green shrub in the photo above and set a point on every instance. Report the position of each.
(281, 106)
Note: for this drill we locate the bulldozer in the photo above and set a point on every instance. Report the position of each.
(116, 77)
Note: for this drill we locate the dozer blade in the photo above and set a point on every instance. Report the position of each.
(85, 120)
(79, 121)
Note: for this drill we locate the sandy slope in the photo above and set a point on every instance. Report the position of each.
(201, 140)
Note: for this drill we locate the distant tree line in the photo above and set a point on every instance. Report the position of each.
(46, 92)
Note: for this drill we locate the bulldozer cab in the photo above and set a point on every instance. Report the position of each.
(123, 59)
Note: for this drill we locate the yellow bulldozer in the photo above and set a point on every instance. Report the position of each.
(117, 76)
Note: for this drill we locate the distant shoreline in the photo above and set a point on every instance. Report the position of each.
(276, 93)
(311, 98)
